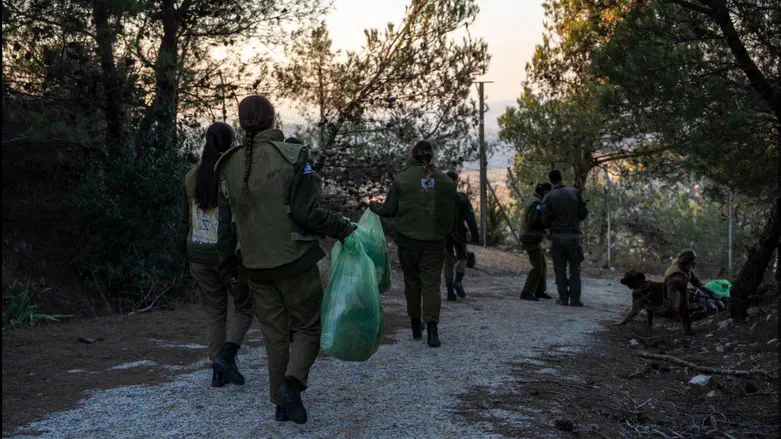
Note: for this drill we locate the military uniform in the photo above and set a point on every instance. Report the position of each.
(456, 243)
(424, 212)
(201, 247)
(676, 297)
(531, 238)
(278, 222)
(564, 210)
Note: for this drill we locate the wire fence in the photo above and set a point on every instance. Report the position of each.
(642, 224)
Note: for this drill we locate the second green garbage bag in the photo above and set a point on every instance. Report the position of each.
(351, 314)
(372, 237)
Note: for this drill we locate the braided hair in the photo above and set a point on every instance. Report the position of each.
(423, 151)
(255, 114)
(249, 139)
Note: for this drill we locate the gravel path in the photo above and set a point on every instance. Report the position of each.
(406, 390)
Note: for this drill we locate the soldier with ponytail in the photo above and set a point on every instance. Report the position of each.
(269, 207)
(200, 214)
(421, 199)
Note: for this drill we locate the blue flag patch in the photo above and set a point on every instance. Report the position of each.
(427, 184)
(307, 169)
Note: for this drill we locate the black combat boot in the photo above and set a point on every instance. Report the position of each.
(417, 329)
(457, 285)
(543, 295)
(451, 295)
(225, 364)
(280, 415)
(433, 335)
(217, 379)
(290, 394)
(528, 296)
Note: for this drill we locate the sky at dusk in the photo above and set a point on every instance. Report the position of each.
(512, 28)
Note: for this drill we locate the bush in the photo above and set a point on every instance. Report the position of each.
(127, 237)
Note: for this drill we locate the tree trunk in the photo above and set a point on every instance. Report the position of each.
(159, 123)
(778, 265)
(721, 14)
(115, 117)
(759, 256)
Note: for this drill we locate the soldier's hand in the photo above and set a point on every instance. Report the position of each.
(352, 228)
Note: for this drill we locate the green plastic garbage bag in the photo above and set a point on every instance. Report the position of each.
(719, 287)
(351, 315)
(372, 237)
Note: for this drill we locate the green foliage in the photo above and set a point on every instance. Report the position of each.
(129, 224)
(408, 82)
(496, 224)
(19, 309)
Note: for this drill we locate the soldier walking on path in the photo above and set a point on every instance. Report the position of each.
(269, 191)
(533, 234)
(199, 217)
(421, 200)
(564, 210)
(456, 242)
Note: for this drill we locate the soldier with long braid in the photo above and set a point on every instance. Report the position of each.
(270, 195)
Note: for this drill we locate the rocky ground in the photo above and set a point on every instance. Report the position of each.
(507, 368)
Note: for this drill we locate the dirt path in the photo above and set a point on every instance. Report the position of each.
(406, 390)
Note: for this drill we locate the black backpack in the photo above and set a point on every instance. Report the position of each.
(536, 217)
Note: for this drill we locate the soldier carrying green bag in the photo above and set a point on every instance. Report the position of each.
(267, 187)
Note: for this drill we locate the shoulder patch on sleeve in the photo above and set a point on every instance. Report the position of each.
(307, 169)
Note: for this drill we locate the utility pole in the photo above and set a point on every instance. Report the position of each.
(483, 165)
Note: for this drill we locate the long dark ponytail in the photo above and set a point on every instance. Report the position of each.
(219, 138)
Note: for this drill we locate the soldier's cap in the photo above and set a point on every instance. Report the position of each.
(686, 255)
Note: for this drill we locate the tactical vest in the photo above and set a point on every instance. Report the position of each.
(530, 211)
(267, 234)
(676, 269)
(426, 208)
(203, 224)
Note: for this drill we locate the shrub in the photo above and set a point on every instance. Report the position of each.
(127, 236)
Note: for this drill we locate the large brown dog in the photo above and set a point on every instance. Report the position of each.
(646, 295)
